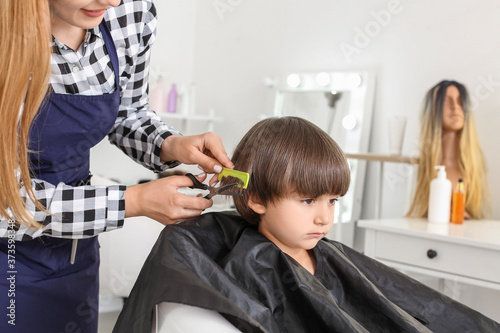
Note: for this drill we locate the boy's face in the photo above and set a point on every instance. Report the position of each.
(297, 223)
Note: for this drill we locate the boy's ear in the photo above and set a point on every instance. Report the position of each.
(256, 205)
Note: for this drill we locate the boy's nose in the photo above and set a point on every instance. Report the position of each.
(324, 215)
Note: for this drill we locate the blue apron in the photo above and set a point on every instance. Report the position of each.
(51, 294)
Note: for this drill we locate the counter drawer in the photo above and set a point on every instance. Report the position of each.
(465, 260)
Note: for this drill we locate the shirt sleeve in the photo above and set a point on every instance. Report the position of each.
(74, 212)
(138, 130)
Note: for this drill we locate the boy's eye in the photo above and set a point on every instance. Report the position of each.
(308, 201)
(332, 201)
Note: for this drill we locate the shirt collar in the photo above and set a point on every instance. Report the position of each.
(91, 36)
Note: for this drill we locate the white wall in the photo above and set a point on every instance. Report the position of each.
(229, 54)
(174, 49)
(173, 56)
(228, 47)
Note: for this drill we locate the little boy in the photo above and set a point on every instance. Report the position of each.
(298, 173)
(270, 269)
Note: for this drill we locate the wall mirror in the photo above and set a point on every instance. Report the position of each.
(341, 103)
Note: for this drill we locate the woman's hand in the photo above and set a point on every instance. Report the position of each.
(205, 150)
(160, 200)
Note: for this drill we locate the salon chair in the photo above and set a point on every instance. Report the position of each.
(181, 318)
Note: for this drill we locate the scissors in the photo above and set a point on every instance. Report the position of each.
(221, 190)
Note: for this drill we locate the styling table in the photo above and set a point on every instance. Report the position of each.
(467, 253)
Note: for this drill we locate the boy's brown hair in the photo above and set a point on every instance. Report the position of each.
(288, 155)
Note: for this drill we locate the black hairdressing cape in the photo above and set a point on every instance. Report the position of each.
(219, 262)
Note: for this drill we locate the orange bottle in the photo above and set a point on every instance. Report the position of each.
(458, 204)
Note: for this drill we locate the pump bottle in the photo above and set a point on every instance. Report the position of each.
(440, 197)
(158, 98)
(172, 100)
(458, 204)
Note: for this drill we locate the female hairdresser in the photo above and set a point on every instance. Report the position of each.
(98, 87)
(448, 137)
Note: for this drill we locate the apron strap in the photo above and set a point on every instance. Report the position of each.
(113, 55)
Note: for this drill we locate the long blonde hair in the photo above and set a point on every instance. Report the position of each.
(471, 159)
(24, 73)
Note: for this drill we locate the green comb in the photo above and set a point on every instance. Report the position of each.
(243, 176)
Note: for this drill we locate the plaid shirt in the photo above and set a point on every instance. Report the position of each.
(85, 211)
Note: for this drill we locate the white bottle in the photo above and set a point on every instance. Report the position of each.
(440, 197)
(158, 97)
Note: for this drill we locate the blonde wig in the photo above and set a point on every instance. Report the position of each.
(471, 159)
(24, 73)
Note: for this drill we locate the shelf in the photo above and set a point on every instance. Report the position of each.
(383, 158)
(190, 117)
(209, 119)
